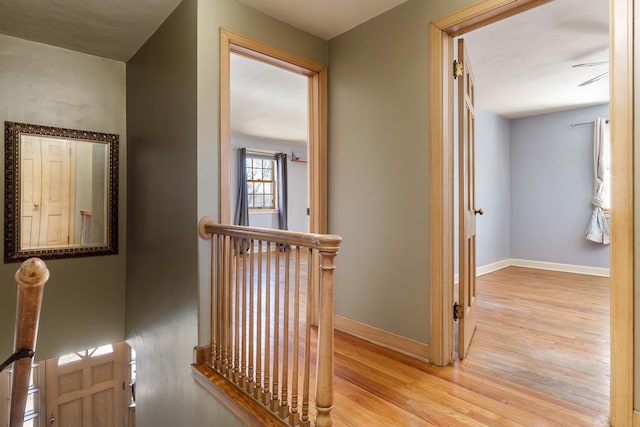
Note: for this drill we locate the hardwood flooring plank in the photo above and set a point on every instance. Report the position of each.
(539, 357)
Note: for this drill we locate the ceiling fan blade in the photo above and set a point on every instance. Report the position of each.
(590, 64)
(595, 79)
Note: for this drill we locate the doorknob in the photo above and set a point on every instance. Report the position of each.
(478, 211)
(36, 204)
(52, 419)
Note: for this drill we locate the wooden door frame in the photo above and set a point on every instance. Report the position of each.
(317, 151)
(441, 34)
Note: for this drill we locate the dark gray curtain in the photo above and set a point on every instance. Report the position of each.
(282, 178)
(242, 207)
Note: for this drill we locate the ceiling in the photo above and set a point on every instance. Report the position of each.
(113, 29)
(268, 101)
(325, 18)
(523, 65)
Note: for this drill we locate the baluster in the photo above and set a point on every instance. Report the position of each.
(284, 404)
(324, 376)
(251, 337)
(266, 390)
(294, 416)
(304, 418)
(243, 319)
(257, 391)
(215, 300)
(276, 335)
(226, 309)
(236, 313)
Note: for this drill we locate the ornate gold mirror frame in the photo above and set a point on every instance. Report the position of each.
(61, 192)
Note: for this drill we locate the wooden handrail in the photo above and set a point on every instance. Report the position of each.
(253, 303)
(31, 277)
(326, 242)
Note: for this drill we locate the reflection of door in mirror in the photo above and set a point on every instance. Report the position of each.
(47, 193)
(61, 192)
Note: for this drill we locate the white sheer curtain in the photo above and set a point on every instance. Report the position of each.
(598, 229)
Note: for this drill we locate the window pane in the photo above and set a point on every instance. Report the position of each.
(259, 201)
(68, 358)
(268, 174)
(268, 202)
(28, 423)
(30, 403)
(105, 349)
(251, 201)
(268, 188)
(250, 189)
(268, 164)
(258, 188)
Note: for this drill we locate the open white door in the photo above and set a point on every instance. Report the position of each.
(465, 310)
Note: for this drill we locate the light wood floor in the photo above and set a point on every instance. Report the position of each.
(539, 357)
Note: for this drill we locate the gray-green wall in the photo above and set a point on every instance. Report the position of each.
(162, 263)
(172, 116)
(379, 167)
(84, 299)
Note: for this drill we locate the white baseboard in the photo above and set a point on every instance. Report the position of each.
(567, 268)
(494, 266)
(541, 265)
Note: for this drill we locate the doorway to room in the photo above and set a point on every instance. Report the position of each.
(441, 34)
(234, 45)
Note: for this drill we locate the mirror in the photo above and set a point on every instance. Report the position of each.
(61, 192)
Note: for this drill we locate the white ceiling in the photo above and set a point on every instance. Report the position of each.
(267, 101)
(522, 64)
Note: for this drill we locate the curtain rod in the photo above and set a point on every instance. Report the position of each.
(585, 123)
(263, 152)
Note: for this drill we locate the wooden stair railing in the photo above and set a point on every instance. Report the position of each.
(31, 277)
(261, 320)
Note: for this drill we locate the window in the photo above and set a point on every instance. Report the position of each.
(32, 407)
(79, 355)
(261, 183)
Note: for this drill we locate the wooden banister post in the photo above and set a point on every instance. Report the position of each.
(324, 374)
(31, 277)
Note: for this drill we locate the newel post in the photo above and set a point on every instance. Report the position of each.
(31, 277)
(324, 375)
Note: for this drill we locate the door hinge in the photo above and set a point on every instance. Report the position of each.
(458, 69)
(458, 311)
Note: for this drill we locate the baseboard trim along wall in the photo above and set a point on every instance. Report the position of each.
(540, 265)
(494, 266)
(636, 418)
(407, 346)
(567, 268)
(421, 351)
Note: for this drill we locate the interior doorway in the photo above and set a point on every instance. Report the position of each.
(442, 32)
(534, 158)
(269, 135)
(316, 77)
